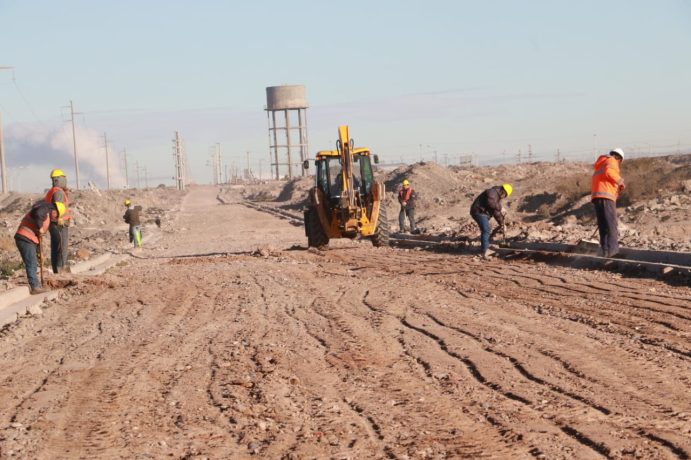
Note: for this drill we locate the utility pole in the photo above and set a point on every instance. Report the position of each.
(558, 155)
(218, 169)
(105, 144)
(127, 176)
(74, 143)
(146, 178)
(136, 165)
(2, 159)
(530, 153)
(3, 180)
(247, 174)
(519, 156)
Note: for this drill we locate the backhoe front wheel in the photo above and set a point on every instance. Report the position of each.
(381, 237)
(316, 237)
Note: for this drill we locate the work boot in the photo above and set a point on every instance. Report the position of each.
(38, 290)
(487, 254)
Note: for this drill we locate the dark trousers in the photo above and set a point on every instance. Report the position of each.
(29, 253)
(58, 245)
(410, 212)
(483, 222)
(606, 213)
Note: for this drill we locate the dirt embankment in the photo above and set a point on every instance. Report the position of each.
(551, 201)
(97, 224)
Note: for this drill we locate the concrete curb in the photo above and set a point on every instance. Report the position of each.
(18, 301)
(11, 313)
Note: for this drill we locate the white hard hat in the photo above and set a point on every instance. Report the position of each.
(619, 152)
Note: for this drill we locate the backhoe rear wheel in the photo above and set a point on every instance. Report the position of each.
(381, 237)
(316, 237)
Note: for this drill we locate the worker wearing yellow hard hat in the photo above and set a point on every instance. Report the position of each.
(132, 218)
(59, 233)
(486, 206)
(407, 198)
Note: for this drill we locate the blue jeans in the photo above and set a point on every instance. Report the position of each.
(483, 222)
(29, 253)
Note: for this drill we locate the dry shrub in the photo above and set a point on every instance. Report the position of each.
(7, 244)
(646, 177)
(8, 267)
(574, 187)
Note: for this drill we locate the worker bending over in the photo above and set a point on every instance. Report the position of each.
(486, 206)
(606, 186)
(28, 239)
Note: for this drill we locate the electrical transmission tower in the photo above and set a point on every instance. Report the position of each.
(180, 167)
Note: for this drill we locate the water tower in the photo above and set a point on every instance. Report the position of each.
(286, 111)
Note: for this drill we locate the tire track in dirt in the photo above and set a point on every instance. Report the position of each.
(521, 369)
(342, 327)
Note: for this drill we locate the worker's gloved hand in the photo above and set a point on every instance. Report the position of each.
(60, 221)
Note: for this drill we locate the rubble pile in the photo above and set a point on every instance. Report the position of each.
(551, 201)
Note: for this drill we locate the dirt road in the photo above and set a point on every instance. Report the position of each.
(353, 352)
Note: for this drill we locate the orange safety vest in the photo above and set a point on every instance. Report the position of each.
(49, 199)
(407, 192)
(28, 229)
(606, 178)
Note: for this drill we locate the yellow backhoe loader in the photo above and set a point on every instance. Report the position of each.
(346, 201)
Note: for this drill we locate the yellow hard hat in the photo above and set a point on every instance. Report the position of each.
(127, 202)
(56, 173)
(508, 189)
(406, 182)
(60, 208)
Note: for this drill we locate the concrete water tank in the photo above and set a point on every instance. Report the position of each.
(286, 109)
(286, 97)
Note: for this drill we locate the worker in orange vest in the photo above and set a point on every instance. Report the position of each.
(606, 186)
(407, 198)
(28, 237)
(58, 228)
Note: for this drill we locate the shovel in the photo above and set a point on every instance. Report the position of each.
(40, 257)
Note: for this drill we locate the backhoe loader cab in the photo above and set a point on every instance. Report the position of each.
(346, 200)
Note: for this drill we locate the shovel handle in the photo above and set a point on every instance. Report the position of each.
(40, 257)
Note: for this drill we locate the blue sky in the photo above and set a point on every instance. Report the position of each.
(411, 78)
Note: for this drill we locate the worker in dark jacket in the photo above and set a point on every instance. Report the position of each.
(29, 235)
(407, 198)
(132, 218)
(486, 206)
